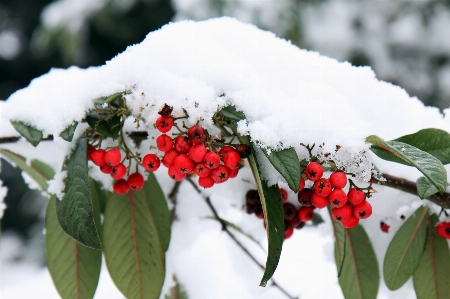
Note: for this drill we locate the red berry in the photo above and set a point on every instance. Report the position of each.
(305, 213)
(206, 182)
(351, 222)
(384, 227)
(314, 171)
(338, 180)
(304, 197)
(164, 124)
(244, 150)
(252, 197)
(318, 201)
(197, 134)
(337, 198)
(212, 160)
(302, 184)
(363, 210)
(284, 195)
(297, 223)
(175, 174)
(121, 187)
(441, 229)
(288, 233)
(151, 162)
(225, 149)
(220, 174)
(135, 181)
(233, 173)
(90, 150)
(197, 152)
(98, 157)
(182, 144)
(168, 158)
(290, 211)
(105, 168)
(164, 142)
(183, 164)
(342, 214)
(113, 157)
(117, 172)
(201, 170)
(232, 160)
(322, 187)
(355, 196)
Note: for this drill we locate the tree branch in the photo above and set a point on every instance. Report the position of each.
(227, 231)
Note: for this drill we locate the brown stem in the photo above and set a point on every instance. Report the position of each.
(227, 231)
(14, 139)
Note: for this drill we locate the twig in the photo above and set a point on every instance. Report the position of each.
(14, 139)
(173, 198)
(225, 229)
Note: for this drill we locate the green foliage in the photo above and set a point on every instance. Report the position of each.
(109, 126)
(74, 210)
(432, 276)
(177, 292)
(109, 99)
(287, 164)
(430, 166)
(425, 188)
(231, 114)
(405, 250)
(30, 133)
(67, 134)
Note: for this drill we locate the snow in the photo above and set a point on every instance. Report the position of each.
(3, 192)
(56, 185)
(289, 96)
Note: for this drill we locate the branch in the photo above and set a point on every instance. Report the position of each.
(225, 229)
(410, 187)
(13, 139)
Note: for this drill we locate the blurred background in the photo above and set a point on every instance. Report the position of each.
(406, 43)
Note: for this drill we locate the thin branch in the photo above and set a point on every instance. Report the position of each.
(14, 139)
(225, 229)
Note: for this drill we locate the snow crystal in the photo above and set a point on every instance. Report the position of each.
(3, 192)
(56, 185)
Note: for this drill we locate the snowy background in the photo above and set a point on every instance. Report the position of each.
(327, 102)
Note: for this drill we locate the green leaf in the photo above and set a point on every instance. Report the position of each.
(432, 276)
(177, 292)
(231, 114)
(339, 244)
(100, 195)
(67, 134)
(109, 127)
(425, 188)
(132, 245)
(287, 163)
(317, 219)
(75, 269)
(405, 250)
(37, 170)
(30, 133)
(431, 167)
(359, 277)
(110, 98)
(75, 214)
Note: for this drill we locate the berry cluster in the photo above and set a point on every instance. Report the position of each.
(443, 229)
(293, 217)
(110, 162)
(193, 151)
(347, 208)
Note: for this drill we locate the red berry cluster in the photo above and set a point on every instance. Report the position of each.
(293, 217)
(443, 229)
(347, 208)
(110, 163)
(191, 152)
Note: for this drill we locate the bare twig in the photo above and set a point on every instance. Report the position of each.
(225, 229)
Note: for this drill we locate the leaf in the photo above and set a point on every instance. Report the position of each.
(177, 292)
(317, 219)
(132, 246)
(339, 244)
(231, 114)
(287, 164)
(75, 214)
(432, 276)
(30, 133)
(405, 250)
(425, 188)
(431, 167)
(110, 98)
(37, 170)
(359, 276)
(75, 269)
(109, 127)
(67, 134)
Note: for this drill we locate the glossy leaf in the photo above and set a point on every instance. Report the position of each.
(75, 214)
(431, 167)
(37, 170)
(110, 98)
(356, 263)
(231, 114)
(405, 250)
(425, 188)
(67, 134)
(30, 133)
(432, 276)
(132, 245)
(74, 268)
(287, 164)
(108, 127)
